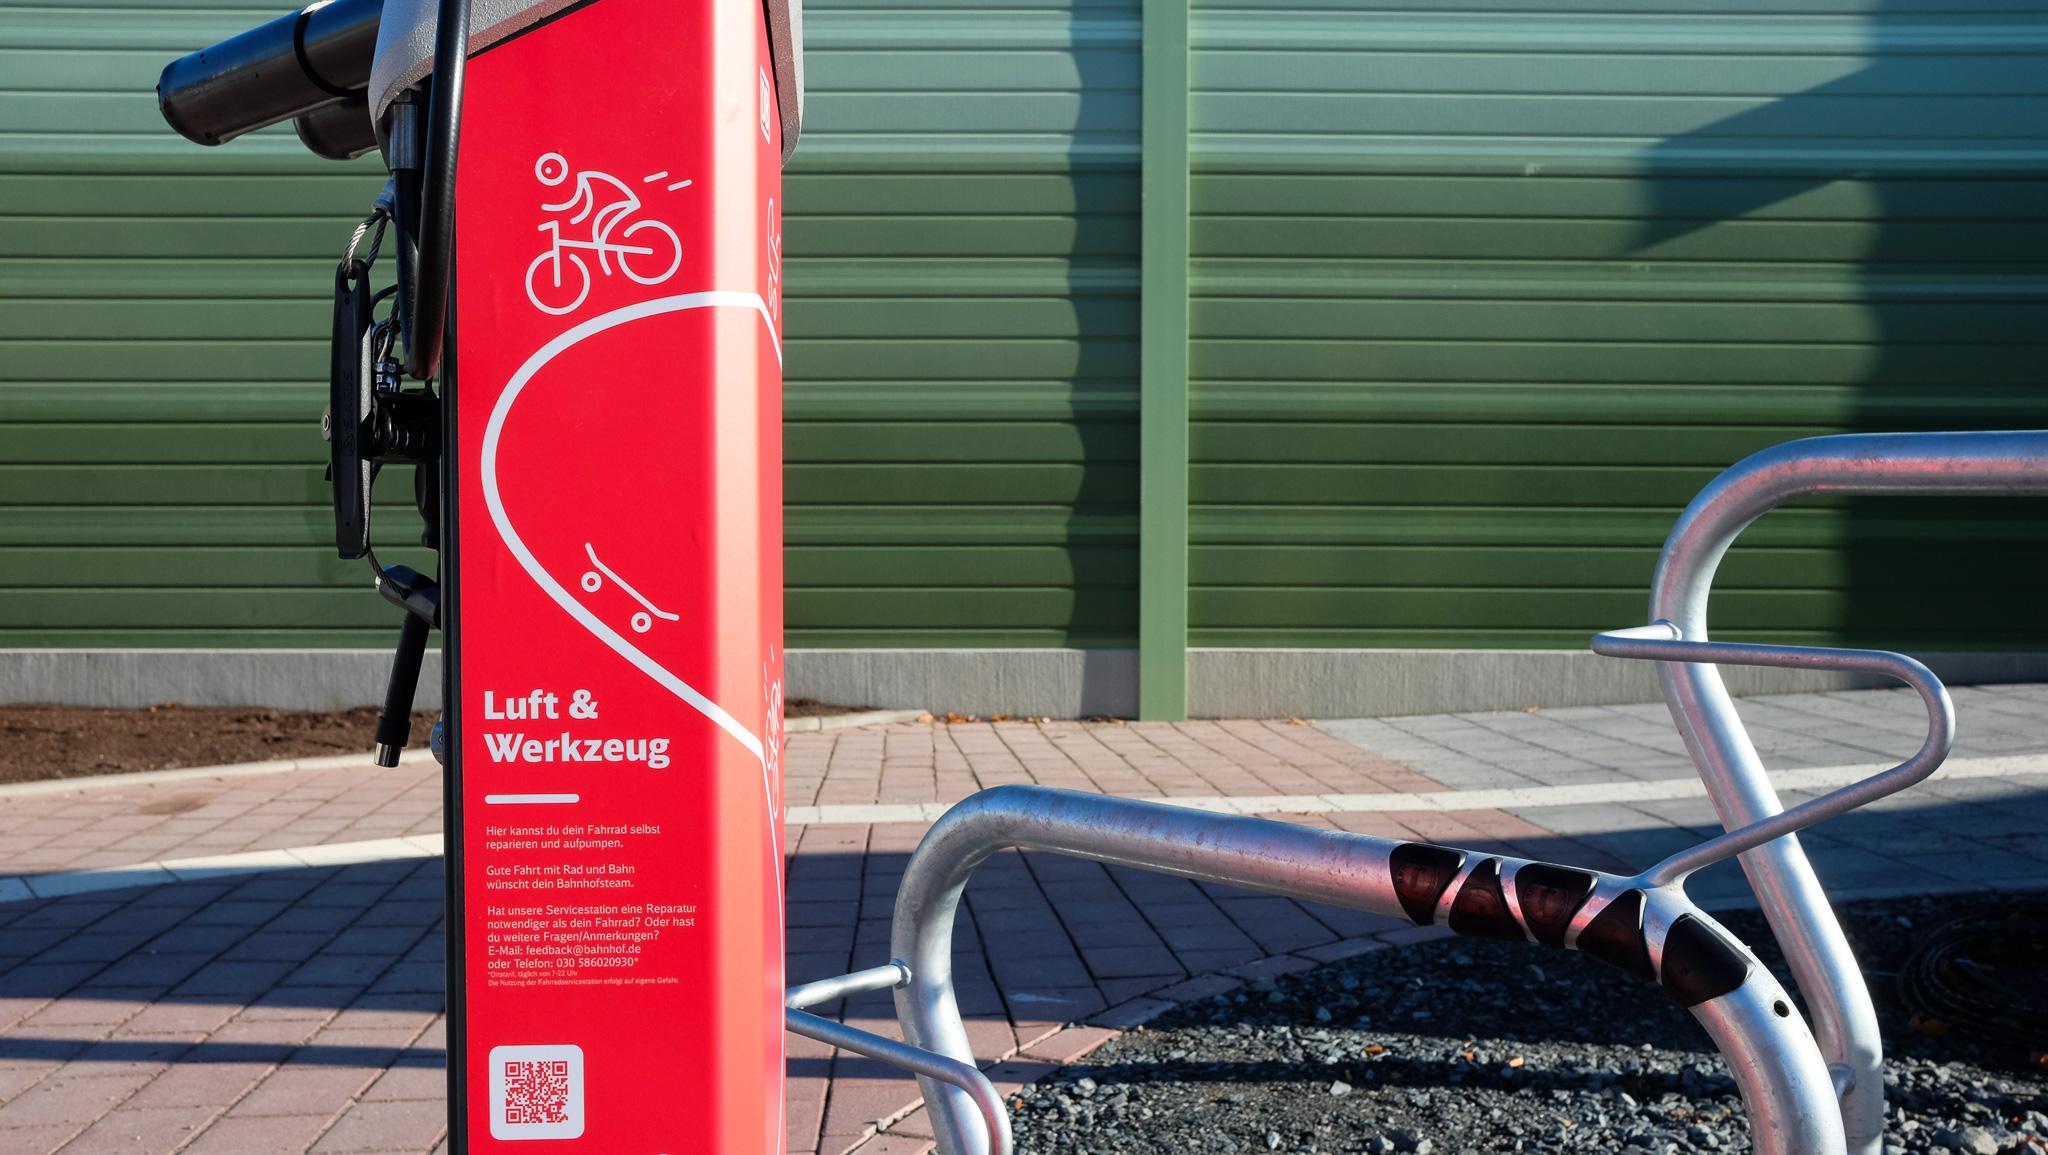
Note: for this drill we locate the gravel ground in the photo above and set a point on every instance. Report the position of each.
(1474, 1046)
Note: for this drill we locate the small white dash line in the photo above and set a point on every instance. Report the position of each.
(678, 184)
(651, 177)
(529, 799)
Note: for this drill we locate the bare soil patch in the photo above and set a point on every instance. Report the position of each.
(40, 742)
(43, 742)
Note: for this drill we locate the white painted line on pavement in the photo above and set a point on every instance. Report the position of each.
(357, 853)
(24, 888)
(194, 773)
(59, 884)
(1443, 801)
(216, 865)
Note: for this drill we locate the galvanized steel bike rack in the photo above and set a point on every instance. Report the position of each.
(1804, 1094)
(1996, 464)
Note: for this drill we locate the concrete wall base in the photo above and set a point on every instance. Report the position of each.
(1020, 683)
(282, 679)
(1047, 682)
(1388, 683)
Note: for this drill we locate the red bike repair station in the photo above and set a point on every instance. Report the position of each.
(584, 366)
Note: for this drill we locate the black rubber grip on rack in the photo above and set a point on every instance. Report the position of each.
(1700, 963)
(1421, 875)
(1481, 908)
(1549, 896)
(1615, 937)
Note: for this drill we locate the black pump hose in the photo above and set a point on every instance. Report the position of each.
(1984, 977)
(431, 269)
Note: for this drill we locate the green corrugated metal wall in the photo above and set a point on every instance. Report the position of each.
(161, 352)
(1481, 293)
(963, 316)
(962, 332)
(1484, 291)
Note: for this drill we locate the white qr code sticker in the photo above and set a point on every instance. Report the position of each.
(537, 1092)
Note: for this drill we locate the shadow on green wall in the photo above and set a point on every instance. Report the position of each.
(1942, 133)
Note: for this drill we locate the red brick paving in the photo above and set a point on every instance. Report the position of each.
(314, 994)
(128, 824)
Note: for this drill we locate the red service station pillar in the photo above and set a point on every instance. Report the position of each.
(613, 612)
(603, 417)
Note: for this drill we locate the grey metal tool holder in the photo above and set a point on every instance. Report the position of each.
(1807, 1092)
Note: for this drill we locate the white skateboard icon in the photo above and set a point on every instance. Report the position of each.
(642, 621)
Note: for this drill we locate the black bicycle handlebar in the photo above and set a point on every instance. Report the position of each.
(271, 73)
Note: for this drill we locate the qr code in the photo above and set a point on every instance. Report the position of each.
(537, 1092)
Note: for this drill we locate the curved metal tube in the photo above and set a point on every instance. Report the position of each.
(963, 1078)
(1786, 1089)
(1774, 1061)
(1988, 464)
(881, 978)
(1660, 643)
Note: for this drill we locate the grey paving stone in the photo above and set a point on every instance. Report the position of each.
(338, 970)
(1895, 838)
(1829, 861)
(67, 913)
(1483, 778)
(232, 913)
(147, 970)
(1641, 847)
(1695, 816)
(1997, 867)
(93, 947)
(2032, 844)
(246, 980)
(1574, 821)
(1583, 776)
(1975, 745)
(375, 940)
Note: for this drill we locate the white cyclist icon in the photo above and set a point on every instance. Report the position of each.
(648, 251)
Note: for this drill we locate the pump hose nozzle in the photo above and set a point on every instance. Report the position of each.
(394, 725)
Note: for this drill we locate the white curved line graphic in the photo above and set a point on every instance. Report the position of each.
(488, 471)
